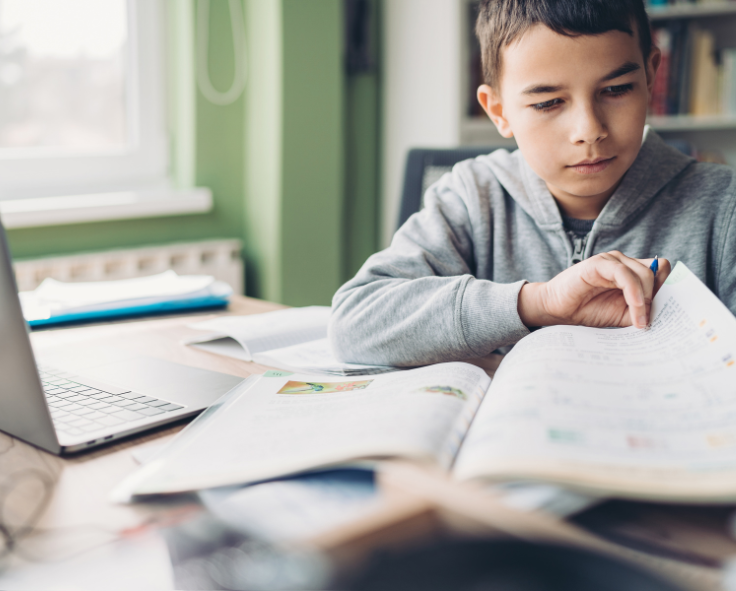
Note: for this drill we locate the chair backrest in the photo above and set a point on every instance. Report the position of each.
(424, 167)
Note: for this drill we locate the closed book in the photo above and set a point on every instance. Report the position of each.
(711, 80)
(678, 32)
(685, 74)
(698, 73)
(728, 93)
(662, 39)
(704, 91)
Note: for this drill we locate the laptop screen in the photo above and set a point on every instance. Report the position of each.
(23, 410)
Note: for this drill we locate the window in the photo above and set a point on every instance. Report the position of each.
(81, 97)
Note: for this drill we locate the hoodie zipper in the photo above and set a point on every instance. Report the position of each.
(578, 249)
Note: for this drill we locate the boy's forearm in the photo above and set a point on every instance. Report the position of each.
(423, 321)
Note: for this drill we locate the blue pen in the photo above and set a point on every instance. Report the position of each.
(654, 267)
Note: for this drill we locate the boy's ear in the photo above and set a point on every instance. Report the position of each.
(490, 100)
(655, 59)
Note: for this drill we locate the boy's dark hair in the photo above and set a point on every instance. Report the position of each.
(500, 22)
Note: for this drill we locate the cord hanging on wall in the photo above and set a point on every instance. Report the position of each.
(240, 74)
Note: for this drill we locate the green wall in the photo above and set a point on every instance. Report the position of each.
(292, 164)
(312, 190)
(362, 161)
(294, 150)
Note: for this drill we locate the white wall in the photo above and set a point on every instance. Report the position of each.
(422, 88)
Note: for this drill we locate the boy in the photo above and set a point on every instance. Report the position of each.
(493, 252)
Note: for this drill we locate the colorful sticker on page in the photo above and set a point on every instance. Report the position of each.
(323, 387)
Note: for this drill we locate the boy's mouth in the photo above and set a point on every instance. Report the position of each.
(592, 166)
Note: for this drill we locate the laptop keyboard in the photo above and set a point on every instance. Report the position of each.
(78, 408)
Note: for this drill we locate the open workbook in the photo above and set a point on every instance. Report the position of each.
(635, 413)
(294, 339)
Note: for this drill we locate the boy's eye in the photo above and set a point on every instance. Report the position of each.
(546, 105)
(617, 90)
(614, 91)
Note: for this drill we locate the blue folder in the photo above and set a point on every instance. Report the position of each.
(181, 305)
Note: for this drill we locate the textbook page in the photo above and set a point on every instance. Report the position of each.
(289, 424)
(644, 413)
(244, 336)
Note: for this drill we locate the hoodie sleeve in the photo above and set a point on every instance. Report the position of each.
(726, 257)
(418, 301)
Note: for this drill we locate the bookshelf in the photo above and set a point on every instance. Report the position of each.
(711, 134)
(666, 123)
(710, 9)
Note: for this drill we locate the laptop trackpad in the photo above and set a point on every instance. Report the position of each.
(164, 379)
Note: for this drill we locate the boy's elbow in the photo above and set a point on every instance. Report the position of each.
(348, 328)
(359, 330)
(338, 334)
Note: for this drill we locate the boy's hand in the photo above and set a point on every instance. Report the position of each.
(609, 289)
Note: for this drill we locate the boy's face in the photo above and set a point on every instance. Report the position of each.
(577, 108)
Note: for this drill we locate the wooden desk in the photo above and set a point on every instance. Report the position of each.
(80, 517)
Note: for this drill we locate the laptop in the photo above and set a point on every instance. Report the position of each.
(88, 396)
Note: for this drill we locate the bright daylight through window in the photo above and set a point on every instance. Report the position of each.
(82, 122)
(63, 69)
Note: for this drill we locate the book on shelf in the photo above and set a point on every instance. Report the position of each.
(728, 68)
(648, 414)
(701, 88)
(684, 73)
(662, 38)
(695, 76)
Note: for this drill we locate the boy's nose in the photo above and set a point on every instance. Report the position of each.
(588, 128)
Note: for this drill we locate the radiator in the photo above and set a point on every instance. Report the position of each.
(219, 258)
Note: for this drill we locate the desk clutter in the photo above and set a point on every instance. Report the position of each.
(572, 418)
(574, 454)
(57, 302)
(572, 405)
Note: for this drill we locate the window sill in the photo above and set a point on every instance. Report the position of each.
(99, 207)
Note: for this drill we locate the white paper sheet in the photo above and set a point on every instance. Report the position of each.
(54, 297)
(294, 339)
(256, 333)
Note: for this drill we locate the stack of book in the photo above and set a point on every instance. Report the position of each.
(695, 77)
(55, 302)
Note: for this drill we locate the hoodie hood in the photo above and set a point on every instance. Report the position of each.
(656, 165)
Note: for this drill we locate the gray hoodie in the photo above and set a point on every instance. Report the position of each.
(447, 287)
